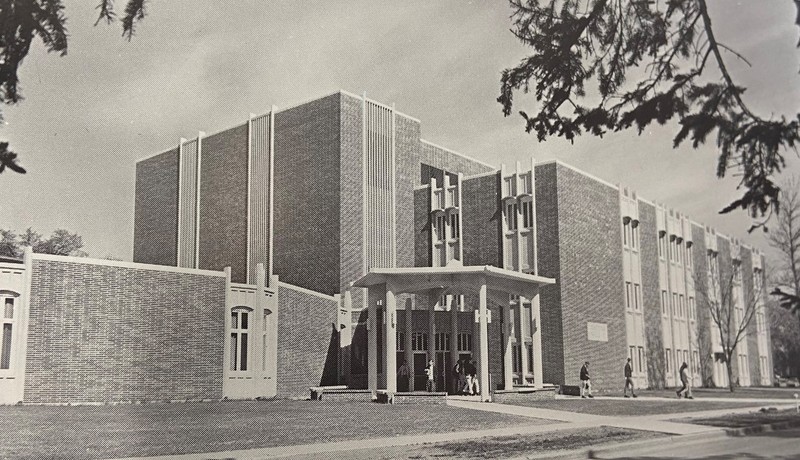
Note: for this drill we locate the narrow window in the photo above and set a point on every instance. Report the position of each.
(664, 303)
(628, 303)
(454, 229)
(240, 319)
(636, 293)
(667, 359)
(511, 216)
(641, 359)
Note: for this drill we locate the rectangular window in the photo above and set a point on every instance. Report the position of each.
(641, 359)
(664, 303)
(662, 242)
(636, 295)
(464, 341)
(634, 235)
(419, 341)
(681, 308)
(440, 223)
(625, 234)
(527, 214)
(243, 364)
(455, 231)
(442, 341)
(234, 350)
(511, 216)
(401, 341)
(674, 304)
(529, 347)
(9, 310)
(668, 359)
(628, 303)
(5, 351)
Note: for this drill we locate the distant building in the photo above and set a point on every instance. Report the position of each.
(247, 243)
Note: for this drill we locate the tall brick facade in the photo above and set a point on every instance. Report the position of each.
(223, 203)
(481, 219)
(307, 172)
(651, 296)
(155, 222)
(308, 341)
(102, 333)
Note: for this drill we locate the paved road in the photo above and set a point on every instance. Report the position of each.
(775, 445)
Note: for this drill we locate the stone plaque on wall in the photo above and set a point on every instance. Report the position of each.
(597, 332)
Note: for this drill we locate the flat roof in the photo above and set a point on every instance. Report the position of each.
(454, 279)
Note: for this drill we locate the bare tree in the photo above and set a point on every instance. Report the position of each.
(731, 308)
(784, 236)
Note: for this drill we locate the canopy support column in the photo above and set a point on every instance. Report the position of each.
(508, 350)
(390, 340)
(408, 352)
(483, 333)
(454, 340)
(536, 339)
(432, 328)
(372, 346)
(524, 335)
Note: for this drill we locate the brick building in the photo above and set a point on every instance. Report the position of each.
(253, 248)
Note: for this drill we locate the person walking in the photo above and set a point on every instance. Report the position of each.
(628, 379)
(586, 382)
(430, 386)
(686, 389)
(474, 386)
(458, 377)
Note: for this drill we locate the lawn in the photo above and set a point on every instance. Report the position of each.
(632, 407)
(746, 420)
(741, 392)
(162, 429)
(501, 447)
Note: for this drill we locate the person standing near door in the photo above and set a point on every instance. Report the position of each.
(628, 379)
(430, 386)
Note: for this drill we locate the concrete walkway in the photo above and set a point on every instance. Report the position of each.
(762, 401)
(644, 423)
(562, 420)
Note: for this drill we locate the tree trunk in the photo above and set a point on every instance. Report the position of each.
(729, 368)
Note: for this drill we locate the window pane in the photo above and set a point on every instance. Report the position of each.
(266, 319)
(264, 356)
(5, 354)
(243, 364)
(234, 320)
(234, 351)
(9, 308)
(244, 320)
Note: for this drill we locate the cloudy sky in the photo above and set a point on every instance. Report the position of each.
(205, 65)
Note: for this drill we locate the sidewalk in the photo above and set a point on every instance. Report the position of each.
(562, 420)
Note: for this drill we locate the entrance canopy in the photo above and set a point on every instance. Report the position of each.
(454, 280)
(486, 282)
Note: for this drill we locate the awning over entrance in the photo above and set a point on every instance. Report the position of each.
(485, 282)
(454, 280)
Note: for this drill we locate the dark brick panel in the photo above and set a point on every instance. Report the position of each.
(103, 333)
(752, 328)
(307, 171)
(448, 161)
(351, 251)
(308, 342)
(549, 265)
(407, 147)
(700, 252)
(223, 203)
(651, 296)
(591, 276)
(422, 228)
(155, 222)
(481, 221)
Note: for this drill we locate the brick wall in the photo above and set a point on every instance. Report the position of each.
(223, 203)
(549, 265)
(422, 228)
(101, 333)
(407, 147)
(308, 342)
(307, 172)
(481, 221)
(449, 161)
(155, 222)
(749, 305)
(651, 296)
(704, 339)
(591, 279)
(351, 251)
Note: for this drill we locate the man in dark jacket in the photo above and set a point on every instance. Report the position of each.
(628, 379)
(586, 383)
